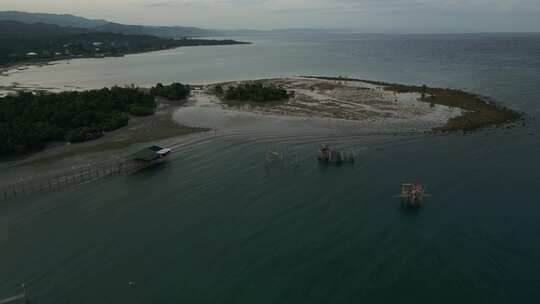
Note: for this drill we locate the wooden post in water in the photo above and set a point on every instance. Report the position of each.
(73, 177)
(25, 297)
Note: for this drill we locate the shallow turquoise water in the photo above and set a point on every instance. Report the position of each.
(215, 225)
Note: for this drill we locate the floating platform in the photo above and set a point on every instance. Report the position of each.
(328, 155)
(412, 193)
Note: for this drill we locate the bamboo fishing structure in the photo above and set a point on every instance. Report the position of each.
(67, 179)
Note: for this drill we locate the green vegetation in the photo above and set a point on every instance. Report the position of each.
(175, 91)
(218, 89)
(106, 26)
(29, 121)
(478, 112)
(255, 92)
(21, 42)
(160, 127)
(57, 19)
(141, 110)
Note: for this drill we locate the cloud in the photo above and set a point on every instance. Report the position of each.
(409, 7)
(368, 15)
(202, 3)
(161, 4)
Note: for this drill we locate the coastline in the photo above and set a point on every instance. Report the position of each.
(5, 68)
(441, 110)
(320, 103)
(479, 111)
(159, 128)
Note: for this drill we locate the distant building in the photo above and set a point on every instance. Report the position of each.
(97, 43)
(31, 54)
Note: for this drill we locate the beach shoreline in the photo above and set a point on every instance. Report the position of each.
(319, 105)
(140, 132)
(344, 99)
(40, 62)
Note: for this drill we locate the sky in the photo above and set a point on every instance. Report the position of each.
(373, 16)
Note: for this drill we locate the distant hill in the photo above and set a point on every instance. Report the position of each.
(20, 30)
(56, 19)
(44, 42)
(106, 26)
(159, 31)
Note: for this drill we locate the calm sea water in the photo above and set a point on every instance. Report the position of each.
(215, 225)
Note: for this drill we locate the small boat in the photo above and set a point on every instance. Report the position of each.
(328, 155)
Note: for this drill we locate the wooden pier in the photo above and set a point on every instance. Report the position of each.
(19, 298)
(71, 178)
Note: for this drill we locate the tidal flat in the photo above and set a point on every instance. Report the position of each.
(414, 108)
(315, 105)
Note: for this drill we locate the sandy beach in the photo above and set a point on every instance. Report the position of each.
(316, 106)
(60, 157)
(330, 103)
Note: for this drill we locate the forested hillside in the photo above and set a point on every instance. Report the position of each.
(66, 20)
(26, 42)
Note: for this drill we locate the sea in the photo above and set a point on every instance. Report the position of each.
(218, 223)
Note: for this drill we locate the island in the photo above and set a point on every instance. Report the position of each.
(423, 108)
(32, 121)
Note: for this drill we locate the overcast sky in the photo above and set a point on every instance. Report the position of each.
(364, 15)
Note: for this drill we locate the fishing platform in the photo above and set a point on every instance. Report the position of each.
(328, 155)
(282, 158)
(412, 193)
